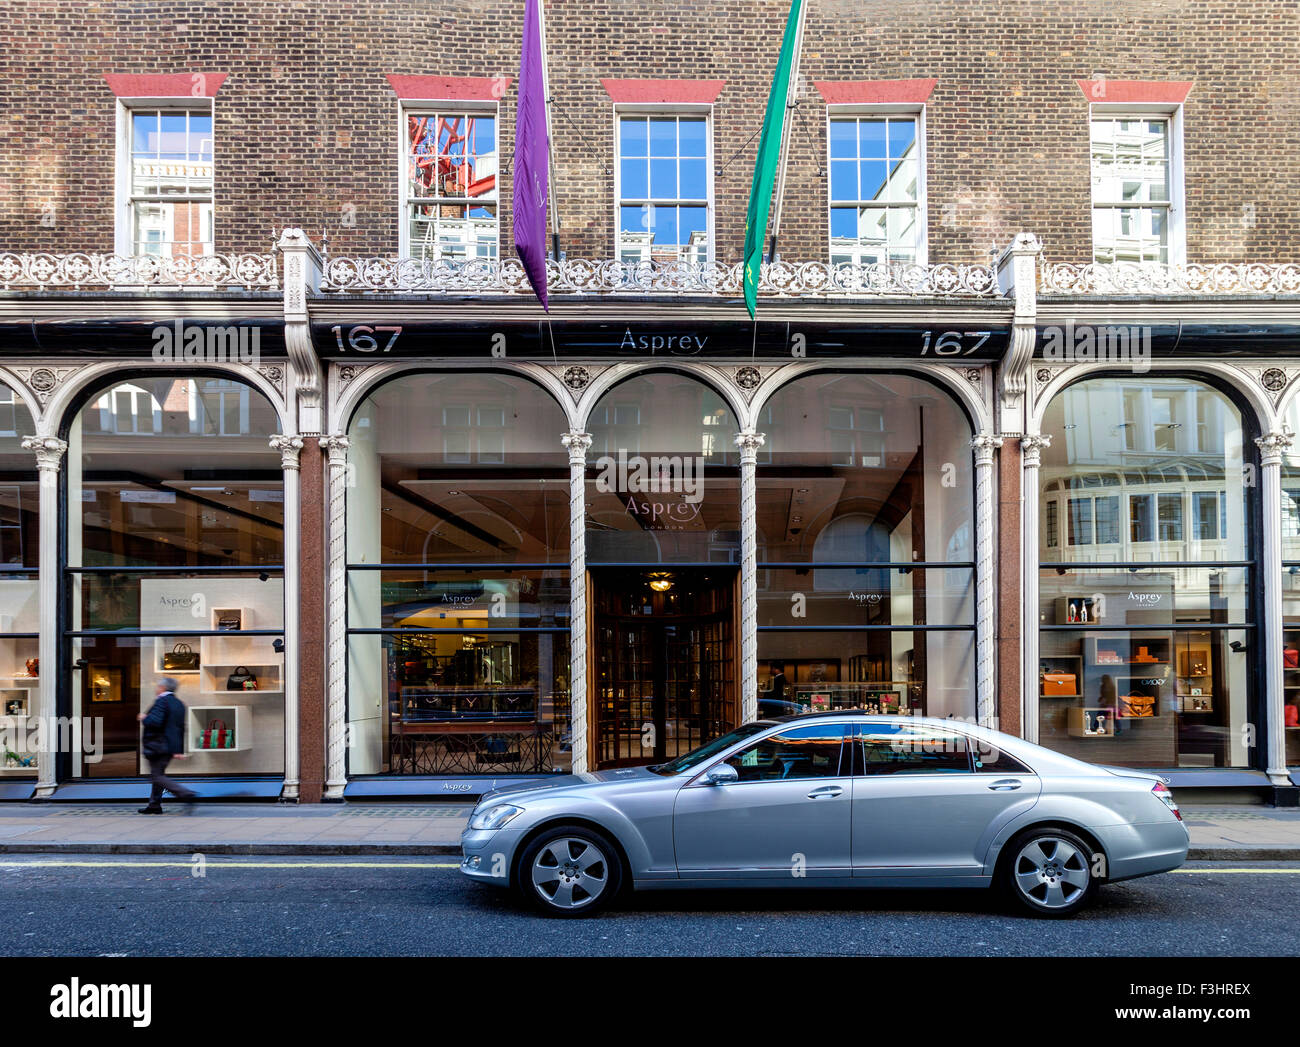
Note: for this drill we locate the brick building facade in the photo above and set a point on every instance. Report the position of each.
(979, 481)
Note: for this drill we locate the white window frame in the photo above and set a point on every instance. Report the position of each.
(917, 110)
(704, 109)
(1173, 113)
(123, 204)
(413, 107)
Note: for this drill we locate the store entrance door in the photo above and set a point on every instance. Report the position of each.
(665, 661)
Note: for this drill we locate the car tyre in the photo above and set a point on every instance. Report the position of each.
(1049, 872)
(570, 871)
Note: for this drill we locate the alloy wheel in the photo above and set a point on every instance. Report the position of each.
(1051, 873)
(570, 873)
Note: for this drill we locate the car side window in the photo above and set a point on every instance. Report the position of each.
(801, 752)
(989, 759)
(904, 748)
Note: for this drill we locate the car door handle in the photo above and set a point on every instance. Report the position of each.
(1005, 785)
(825, 790)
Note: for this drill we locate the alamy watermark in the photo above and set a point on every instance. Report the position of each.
(1128, 345)
(179, 342)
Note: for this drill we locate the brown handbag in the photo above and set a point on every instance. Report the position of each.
(182, 657)
(1056, 685)
(1136, 705)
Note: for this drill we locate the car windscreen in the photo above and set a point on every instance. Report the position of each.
(707, 751)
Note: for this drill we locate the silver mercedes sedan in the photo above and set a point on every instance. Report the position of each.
(832, 800)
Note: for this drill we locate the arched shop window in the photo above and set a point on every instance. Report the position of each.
(1146, 620)
(1291, 590)
(663, 548)
(175, 566)
(19, 607)
(663, 477)
(866, 589)
(458, 578)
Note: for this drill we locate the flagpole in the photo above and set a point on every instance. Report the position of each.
(550, 137)
(791, 95)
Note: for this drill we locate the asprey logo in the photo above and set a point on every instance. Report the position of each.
(75, 1000)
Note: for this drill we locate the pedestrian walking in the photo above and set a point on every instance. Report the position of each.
(163, 741)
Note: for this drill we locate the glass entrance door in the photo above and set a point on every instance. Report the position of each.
(665, 663)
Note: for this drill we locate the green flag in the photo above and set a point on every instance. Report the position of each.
(769, 154)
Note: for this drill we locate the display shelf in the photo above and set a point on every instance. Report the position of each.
(1060, 665)
(238, 718)
(1092, 723)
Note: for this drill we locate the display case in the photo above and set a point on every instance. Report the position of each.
(1291, 691)
(223, 646)
(218, 729)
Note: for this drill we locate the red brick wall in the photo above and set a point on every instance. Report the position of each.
(305, 123)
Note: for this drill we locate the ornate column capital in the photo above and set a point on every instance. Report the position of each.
(336, 447)
(1273, 445)
(578, 444)
(1032, 446)
(984, 445)
(289, 446)
(49, 451)
(749, 441)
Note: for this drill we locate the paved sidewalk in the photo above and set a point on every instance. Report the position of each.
(1218, 833)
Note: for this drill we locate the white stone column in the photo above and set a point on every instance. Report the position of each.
(289, 447)
(749, 442)
(1032, 446)
(1272, 446)
(336, 637)
(986, 702)
(49, 451)
(578, 443)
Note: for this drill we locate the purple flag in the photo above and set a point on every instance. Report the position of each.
(532, 151)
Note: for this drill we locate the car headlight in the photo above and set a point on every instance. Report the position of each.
(494, 817)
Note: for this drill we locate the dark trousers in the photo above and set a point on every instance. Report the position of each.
(157, 767)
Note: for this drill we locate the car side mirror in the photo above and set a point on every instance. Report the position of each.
(723, 774)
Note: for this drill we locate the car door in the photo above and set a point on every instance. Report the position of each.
(925, 805)
(787, 814)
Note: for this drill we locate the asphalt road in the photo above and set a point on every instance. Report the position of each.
(93, 906)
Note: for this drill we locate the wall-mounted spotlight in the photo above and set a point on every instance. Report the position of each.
(277, 645)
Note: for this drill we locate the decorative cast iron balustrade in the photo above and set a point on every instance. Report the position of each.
(1151, 278)
(585, 276)
(44, 271)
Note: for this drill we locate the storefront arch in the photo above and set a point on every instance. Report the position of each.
(173, 562)
(454, 560)
(351, 395)
(1144, 521)
(714, 377)
(963, 385)
(866, 477)
(71, 393)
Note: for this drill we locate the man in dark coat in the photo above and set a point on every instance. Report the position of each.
(164, 738)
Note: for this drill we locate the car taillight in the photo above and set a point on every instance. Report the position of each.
(1167, 798)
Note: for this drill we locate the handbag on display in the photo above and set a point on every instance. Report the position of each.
(1292, 716)
(1059, 684)
(33, 667)
(229, 623)
(242, 679)
(1136, 705)
(1290, 658)
(181, 656)
(217, 736)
